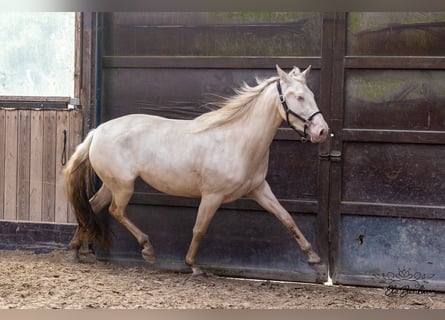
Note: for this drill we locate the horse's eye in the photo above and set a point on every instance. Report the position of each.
(300, 98)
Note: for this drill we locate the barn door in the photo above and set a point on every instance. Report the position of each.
(172, 64)
(387, 200)
(38, 131)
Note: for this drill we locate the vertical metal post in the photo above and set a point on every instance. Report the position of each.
(98, 54)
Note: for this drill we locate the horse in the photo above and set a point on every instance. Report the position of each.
(219, 156)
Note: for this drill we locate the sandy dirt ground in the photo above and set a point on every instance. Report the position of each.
(53, 281)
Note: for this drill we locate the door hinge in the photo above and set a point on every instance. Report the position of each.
(74, 103)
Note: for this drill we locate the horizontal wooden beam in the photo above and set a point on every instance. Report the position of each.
(393, 136)
(375, 62)
(392, 210)
(181, 62)
(38, 237)
(35, 99)
(160, 199)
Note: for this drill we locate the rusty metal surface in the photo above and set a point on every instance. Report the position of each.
(388, 251)
(410, 100)
(387, 208)
(409, 174)
(396, 33)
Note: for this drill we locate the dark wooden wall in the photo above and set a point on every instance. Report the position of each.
(370, 199)
(173, 65)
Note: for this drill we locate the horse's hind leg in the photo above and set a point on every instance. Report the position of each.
(76, 244)
(264, 196)
(99, 201)
(120, 198)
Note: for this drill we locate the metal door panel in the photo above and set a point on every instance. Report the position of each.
(387, 204)
(392, 251)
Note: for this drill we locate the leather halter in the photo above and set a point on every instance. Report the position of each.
(306, 122)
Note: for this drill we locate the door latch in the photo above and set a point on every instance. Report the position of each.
(334, 155)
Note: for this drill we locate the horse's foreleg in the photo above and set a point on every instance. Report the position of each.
(207, 208)
(265, 197)
(117, 210)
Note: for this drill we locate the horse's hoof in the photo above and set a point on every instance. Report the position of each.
(313, 259)
(149, 255)
(200, 274)
(321, 270)
(75, 258)
(197, 273)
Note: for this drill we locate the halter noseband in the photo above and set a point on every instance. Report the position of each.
(306, 122)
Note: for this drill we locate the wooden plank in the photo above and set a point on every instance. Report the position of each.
(2, 161)
(74, 138)
(403, 63)
(87, 92)
(392, 210)
(23, 164)
(209, 34)
(210, 62)
(36, 166)
(44, 100)
(10, 193)
(244, 204)
(49, 163)
(61, 204)
(393, 136)
(38, 237)
(78, 55)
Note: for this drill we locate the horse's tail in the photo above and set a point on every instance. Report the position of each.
(79, 187)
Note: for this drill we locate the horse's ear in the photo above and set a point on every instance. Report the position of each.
(283, 75)
(305, 73)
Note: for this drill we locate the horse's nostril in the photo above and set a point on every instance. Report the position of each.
(321, 134)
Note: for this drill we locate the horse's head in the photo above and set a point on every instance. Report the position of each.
(298, 106)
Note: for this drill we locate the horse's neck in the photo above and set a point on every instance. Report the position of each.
(262, 120)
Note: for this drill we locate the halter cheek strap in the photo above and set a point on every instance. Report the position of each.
(306, 122)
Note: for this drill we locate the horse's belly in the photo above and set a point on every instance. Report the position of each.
(172, 183)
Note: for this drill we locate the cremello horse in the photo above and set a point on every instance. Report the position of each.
(219, 157)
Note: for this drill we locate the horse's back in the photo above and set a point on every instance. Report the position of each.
(154, 148)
